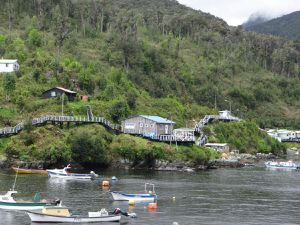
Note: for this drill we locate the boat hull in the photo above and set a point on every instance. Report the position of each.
(29, 171)
(283, 167)
(118, 196)
(25, 205)
(42, 218)
(70, 176)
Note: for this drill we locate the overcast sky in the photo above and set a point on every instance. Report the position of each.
(235, 12)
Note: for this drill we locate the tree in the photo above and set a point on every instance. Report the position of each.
(90, 146)
(2, 44)
(118, 110)
(61, 31)
(9, 84)
(34, 38)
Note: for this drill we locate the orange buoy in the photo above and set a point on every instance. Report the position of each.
(105, 183)
(152, 205)
(105, 188)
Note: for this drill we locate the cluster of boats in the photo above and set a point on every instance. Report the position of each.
(52, 210)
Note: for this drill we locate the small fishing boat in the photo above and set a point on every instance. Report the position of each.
(63, 173)
(282, 165)
(148, 196)
(62, 215)
(7, 201)
(29, 171)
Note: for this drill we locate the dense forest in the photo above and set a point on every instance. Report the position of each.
(143, 57)
(286, 26)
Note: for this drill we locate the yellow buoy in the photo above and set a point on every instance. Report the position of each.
(105, 183)
(131, 202)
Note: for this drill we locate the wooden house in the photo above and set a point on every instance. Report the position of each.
(147, 126)
(9, 65)
(58, 91)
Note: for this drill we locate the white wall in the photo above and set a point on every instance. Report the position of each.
(8, 67)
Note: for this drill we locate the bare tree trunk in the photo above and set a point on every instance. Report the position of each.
(82, 22)
(9, 18)
(102, 20)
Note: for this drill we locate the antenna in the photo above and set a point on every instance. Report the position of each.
(13, 188)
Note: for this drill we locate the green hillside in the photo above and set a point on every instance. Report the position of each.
(143, 57)
(286, 26)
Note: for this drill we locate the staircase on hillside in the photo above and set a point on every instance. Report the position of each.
(223, 116)
(89, 113)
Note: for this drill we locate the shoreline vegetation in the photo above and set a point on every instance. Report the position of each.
(93, 146)
(140, 58)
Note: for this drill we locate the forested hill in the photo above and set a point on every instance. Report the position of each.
(287, 26)
(143, 57)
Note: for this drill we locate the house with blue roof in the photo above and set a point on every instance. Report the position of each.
(147, 126)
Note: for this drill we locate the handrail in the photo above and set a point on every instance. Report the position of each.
(54, 118)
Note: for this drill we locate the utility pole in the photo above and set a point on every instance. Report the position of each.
(62, 104)
(215, 101)
(229, 104)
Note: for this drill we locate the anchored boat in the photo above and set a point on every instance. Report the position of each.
(148, 196)
(7, 201)
(29, 171)
(63, 173)
(62, 215)
(282, 165)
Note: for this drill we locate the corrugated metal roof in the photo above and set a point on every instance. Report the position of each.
(66, 90)
(4, 61)
(157, 119)
(216, 144)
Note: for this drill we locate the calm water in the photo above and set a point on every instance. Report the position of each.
(223, 196)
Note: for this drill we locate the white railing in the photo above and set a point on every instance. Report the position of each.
(52, 118)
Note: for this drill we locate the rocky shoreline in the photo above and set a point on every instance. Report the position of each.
(236, 161)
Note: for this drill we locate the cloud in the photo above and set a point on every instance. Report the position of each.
(235, 12)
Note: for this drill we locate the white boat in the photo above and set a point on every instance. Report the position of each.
(63, 173)
(62, 215)
(148, 196)
(8, 202)
(282, 165)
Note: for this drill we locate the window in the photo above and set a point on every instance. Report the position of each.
(141, 124)
(146, 125)
(53, 93)
(6, 64)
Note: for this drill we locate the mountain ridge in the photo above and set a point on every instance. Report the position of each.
(286, 26)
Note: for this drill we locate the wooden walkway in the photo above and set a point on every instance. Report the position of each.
(198, 129)
(211, 118)
(7, 131)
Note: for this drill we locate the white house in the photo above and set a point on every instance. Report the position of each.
(184, 134)
(9, 65)
(227, 116)
(220, 147)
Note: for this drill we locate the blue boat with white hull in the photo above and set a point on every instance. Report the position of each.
(282, 165)
(148, 196)
(63, 173)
